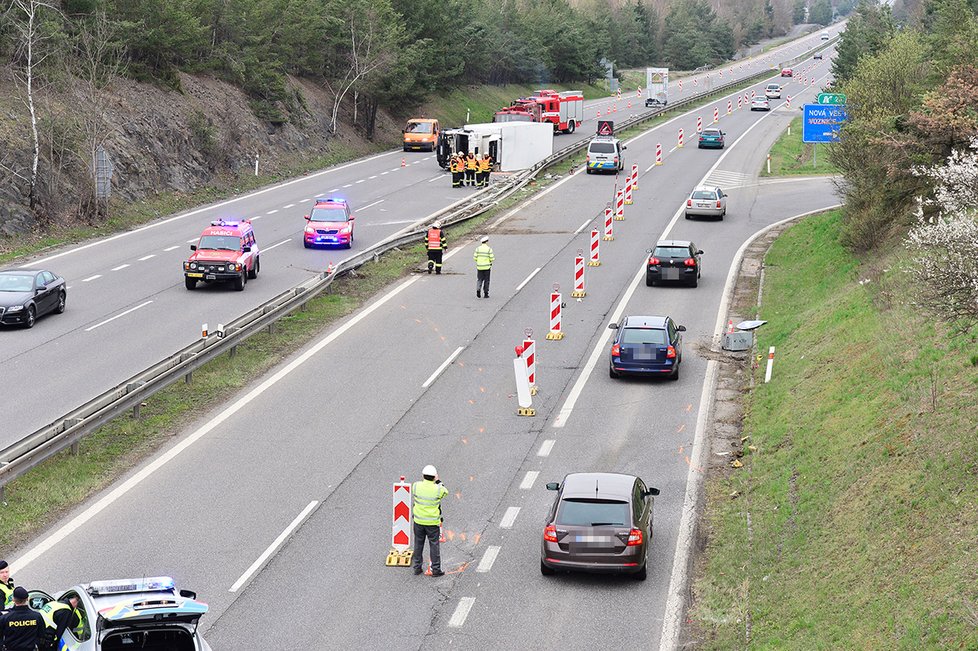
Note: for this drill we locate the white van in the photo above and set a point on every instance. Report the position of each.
(825, 36)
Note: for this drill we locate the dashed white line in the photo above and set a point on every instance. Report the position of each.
(321, 194)
(121, 314)
(96, 276)
(371, 205)
(121, 266)
(528, 279)
(382, 173)
(333, 190)
(461, 611)
(348, 185)
(434, 178)
(147, 257)
(582, 227)
(546, 447)
(488, 558)
(272, 212)
(170, 248)
(360, 181)
(269, 248)
(192, 241)
(261, 560)
(255, 217)
(509, 517)
(444, 365)
(531, 476)
(395, 169)
(291, 205)
(371, 178)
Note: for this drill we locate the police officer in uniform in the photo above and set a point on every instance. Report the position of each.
(21, 627)
(58, 616)
(434, 241)
(426, 513)
(6, 587)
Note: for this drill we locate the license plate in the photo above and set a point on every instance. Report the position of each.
(670, 274)
(195, 275)
(210, 277)
(703, 205)
(593, 539)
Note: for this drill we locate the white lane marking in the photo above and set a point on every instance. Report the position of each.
(170, 248)
(119, 491)
(582, 227)
(321, 194)
(255, 217)
(96, 276)
(269, 248)
(272, 212)
(675, 601)
(360, 181)
(121, 266)
(394, 223)
(528, 279)
(488, 558)
(261, 560)
(333, 190)
(546, 447)
(291, 205)
(509, 517)
(599, 348)
(215, 206)
(348, 185)
(434, 376)
(68, 287)
(531, 476)
(147, 257)
(371, 205)
(192, 241)
(371, 178)
(434, 178)
(120, 314)
(461, 612)
(382, 173)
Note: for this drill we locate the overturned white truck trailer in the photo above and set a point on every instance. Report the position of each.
(512, 145)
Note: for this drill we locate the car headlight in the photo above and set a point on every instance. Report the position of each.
(15, 308)
(193, 265)
(310, 230)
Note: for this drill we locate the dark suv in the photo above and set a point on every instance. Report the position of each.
(677, 260)
(599, 522)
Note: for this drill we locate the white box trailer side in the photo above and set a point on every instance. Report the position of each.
(572, 109)
(520, 144)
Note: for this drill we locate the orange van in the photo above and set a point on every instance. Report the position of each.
(421, 133)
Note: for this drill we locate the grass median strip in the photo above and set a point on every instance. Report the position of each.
(853, 520)
(792, 157)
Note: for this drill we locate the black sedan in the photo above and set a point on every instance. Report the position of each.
(677, 260)
(26, 294)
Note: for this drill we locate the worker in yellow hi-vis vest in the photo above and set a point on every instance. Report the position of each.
(426, 499)
(470, 166)
(484, 257)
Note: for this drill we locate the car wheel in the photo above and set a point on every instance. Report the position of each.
(239, 282)
(649, 281)
(191, 283)
(613, 374)
(588, 170)
(572, 127)
(694, 282)
(546, 571)
(306, 244)
(254, 271)
(675, 372)
(31, 317)
(722, 215)
(687, 216)
(62, 298)
(643, 573)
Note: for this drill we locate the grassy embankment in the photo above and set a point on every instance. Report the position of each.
(853, 524)
(791, 156)
(40, 496)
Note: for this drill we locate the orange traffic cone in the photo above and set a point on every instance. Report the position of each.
(330, 268)
(730, 327)
(403, 163)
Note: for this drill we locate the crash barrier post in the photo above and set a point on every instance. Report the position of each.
(609, 232)
(530, 355)
(658, 153)
(401, 552)
(770, 365)
(620, 206)
(634, 177)
(555, 306)
(769, 163)
(523, 397)
(595, 260)
(579, 291)
(628, 190)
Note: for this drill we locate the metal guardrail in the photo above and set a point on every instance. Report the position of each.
(68, 430)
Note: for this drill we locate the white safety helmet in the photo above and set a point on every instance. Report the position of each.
(429, 471)
(436, 225)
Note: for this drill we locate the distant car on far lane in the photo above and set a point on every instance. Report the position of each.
(786, 72)
(646, 345)
(27, 294)
(818, 56)
(599, 522)
(760, 104)
(773, 90)
(329, 224)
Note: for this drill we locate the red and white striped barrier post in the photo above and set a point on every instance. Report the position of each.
(634, 177)
(716, 115)
(770, 365)
(203, 331)
(619, 206)
(628, 190)
(639, 93)
(699, 125)
(788, 103)
(579, 289)
(619, 94)
(753, 94)
(695, 82)
(609, 230)
(812, 83)
(746, 98)
(680, 138)
(729, 107)
(739, 102)
(555, 306)
(595, 260)
(530, 355)
(680, 85)
(401, 552)
(658, 153)
(524, 398)
(730, 327)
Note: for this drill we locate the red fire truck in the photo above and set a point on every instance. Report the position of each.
(565, 110)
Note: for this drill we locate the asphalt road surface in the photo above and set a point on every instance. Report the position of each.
(305, 457)
(128, 308)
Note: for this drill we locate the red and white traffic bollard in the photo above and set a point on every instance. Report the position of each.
(595, 260)
(555, 307)
(658, 153)
(680, 137)
(579, 289)
(203, 331)
(530, 355)
(699, 125)
(788, 103)
(739, 102)
(639, 93)
(524, 397)
(634, 177)
(400, 553)
(628, 190)
(680, 85)
(695, 82)
(753, 94)
(716, 115)
(729, 107)
(619, 206)
(770, 365)
(812, 82)
(619, 94)
(609, 231)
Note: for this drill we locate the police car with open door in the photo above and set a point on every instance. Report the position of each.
(145, 613)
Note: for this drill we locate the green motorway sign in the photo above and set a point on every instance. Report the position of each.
(831, 98)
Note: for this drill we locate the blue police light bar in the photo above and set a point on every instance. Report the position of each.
(330, 200)
(233, 223)
(153, 584)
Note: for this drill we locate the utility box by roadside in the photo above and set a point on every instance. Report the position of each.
(742, 338)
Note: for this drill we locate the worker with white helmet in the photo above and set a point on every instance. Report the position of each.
(426, 513)
(434, 241)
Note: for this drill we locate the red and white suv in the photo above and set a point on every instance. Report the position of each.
(226, 252)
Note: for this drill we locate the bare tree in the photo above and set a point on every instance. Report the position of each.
(26, 18)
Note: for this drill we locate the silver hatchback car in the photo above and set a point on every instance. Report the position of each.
(706, 202)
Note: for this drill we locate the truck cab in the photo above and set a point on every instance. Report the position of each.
(421, 134)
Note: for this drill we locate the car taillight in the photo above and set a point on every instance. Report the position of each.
(616, 159)
(616, 350)
(689, 202)
(718, 203)
(654, 260)
(670, 353)
(635, 537)
(690, 262)
(550, 533)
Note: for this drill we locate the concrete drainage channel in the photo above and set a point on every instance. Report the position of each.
(68, 430)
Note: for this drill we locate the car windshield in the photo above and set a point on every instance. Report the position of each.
(586, 512)
(328, 214)
(602, 148)
(760, 100)
(16, 283)
(418, 127)
(671, 252)
(704, 194)
(713, 133)
(774, 87)
(648, 336)
(220, 242)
